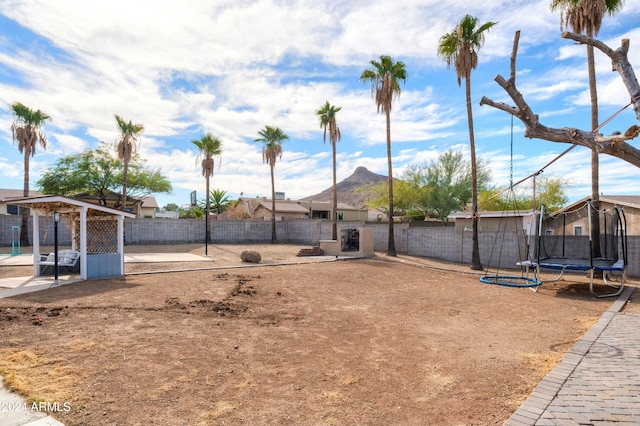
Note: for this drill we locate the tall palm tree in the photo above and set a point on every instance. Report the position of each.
(208, 147)
(126, 145)
(460, 49)
(27, 130)
(585, 16)
(385, 77)
(272, 137)
(327, 114)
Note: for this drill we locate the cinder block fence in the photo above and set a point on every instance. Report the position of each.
(451, 243)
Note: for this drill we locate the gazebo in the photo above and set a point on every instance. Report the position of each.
(97, 233)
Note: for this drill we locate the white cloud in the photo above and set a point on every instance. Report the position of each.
(232, 67)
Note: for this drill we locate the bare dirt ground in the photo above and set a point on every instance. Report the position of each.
(372, 341)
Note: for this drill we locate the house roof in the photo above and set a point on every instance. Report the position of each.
(622, 200)
(6, 194)
(506, 213)
(282, 206)
(149, 202)
(345, 206)
(317, 205)
(631, 201)
(65, 204)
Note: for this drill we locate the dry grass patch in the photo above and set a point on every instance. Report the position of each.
(36, 376)
(543, 363)
(16, 384)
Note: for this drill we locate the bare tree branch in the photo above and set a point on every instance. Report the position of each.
(619, 63)
(613, 145)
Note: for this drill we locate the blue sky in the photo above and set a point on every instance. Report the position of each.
(231, 67)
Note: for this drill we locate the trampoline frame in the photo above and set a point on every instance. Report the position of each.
(608, 267)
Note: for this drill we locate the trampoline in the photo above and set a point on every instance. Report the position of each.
(559, 252)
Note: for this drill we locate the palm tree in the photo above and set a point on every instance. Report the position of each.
(585, 16)
(272, 138)
(385, 77)
(208, 147)
(126, 145)
(218, 201)
(327, 114)
(27, 130)
(459, 48)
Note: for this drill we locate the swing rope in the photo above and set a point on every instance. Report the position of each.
(500, 278)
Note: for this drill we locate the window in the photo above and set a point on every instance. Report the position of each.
(577, 230)
(340, 215)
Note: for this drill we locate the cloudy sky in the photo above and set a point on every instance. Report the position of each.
(230, 67)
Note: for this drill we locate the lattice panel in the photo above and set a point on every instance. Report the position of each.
(102, 235)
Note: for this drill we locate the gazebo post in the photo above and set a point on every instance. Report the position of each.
(74, 232)
(36, 242)
(83, 243)
(121, 242)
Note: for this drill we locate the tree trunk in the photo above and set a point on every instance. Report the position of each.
(125, 171)
(24, 226)
(475, 249)
(391, 246)
(273, 207)
(334, 207)
(206, 223)
(595, 165)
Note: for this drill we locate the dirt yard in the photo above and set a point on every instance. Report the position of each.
(378, 341)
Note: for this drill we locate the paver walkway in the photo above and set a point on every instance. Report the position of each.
(598, 380)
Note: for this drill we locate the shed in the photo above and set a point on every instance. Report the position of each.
(97, 233)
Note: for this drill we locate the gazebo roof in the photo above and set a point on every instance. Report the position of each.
(106, 266)
(64, 204)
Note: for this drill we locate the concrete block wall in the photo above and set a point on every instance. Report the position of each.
(381, 236)
(45, 226)
(436, 243)
(502, 251)
(449, 243)
(238, 231)
(303, 231)
(633, 256)
(163, 231)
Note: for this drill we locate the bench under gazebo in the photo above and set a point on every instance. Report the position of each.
(97, 233)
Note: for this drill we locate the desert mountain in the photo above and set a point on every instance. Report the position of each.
(352, 190)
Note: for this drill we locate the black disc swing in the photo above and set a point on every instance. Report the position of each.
(511, 221)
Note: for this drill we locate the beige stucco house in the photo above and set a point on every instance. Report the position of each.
(5, 199)
(576, 220)
(322, 210)
(511, 220)
(144, 207)
(260, 208)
